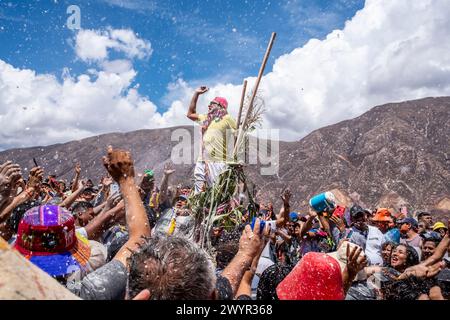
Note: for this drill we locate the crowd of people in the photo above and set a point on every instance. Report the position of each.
(125, 240)
(129, 239)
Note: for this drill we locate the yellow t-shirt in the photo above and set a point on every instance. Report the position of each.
(219, 134)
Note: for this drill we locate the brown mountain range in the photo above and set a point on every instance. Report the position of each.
(395, 154)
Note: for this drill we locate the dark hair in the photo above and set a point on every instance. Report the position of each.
(432, 236)
(412, 257)
(18, 212)
(225, 253)
(388, 243)
(171, 268)
(423, 214)
(227, 246)
(270, 279)
(81, 206)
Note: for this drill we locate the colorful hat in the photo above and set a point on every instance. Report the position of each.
(148, 173)
(317, 276)
(222, 101)
(382, 215)
(439, 225)
(47, 237)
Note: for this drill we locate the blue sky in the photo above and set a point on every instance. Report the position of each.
(212, 41)
(135, 64)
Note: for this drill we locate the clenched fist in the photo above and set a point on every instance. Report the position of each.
(201, 90)
(119, 164)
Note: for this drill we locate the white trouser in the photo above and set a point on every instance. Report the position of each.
(208, 175)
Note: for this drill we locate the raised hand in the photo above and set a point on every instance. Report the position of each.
(250, 241)
(9, 176)
(35, 178)
(78, 169)
(168, 169)
(355, 263)
(338, 222)
(119, 164)
(312, 213)
(423, 271)
(286, 196)
(107, 181)
(113, 200)
(202, 89)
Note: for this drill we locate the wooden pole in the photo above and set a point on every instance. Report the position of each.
(255, 89)
(244, 88)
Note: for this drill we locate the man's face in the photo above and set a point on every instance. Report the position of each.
(422, 227)
(428, 248)
(147, 183)
(297, 230)
(89, 184)
(360, 221)
(181, 203)
(290, 227)
(404, 228)
(442, 231)
(83, 217)
(212, 104)
(88, 196)
(428, 219)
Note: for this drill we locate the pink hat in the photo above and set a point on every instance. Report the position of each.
(317, 276)
(222, 101)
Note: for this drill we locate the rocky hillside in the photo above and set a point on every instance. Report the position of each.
(395, 154)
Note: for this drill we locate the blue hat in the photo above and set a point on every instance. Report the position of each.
(180, 196)
(413, 222)
(293, 216)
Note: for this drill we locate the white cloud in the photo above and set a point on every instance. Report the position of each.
(389, 51)
(93, 45)
(38, 109)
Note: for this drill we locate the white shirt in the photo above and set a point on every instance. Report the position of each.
(375, 239)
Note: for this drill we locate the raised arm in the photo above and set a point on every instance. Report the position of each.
(287, 238)
(77, 177)
(192, 111)
(249, 246)
(73, 196)
(245, 287)
(9, 175)
(120, 166)
(97, 226)
(441, 249)
(308, 224)
(283, 215)
(431, 266)
(34, 180)
(168, 170)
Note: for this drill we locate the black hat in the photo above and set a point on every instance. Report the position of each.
(355, 210)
